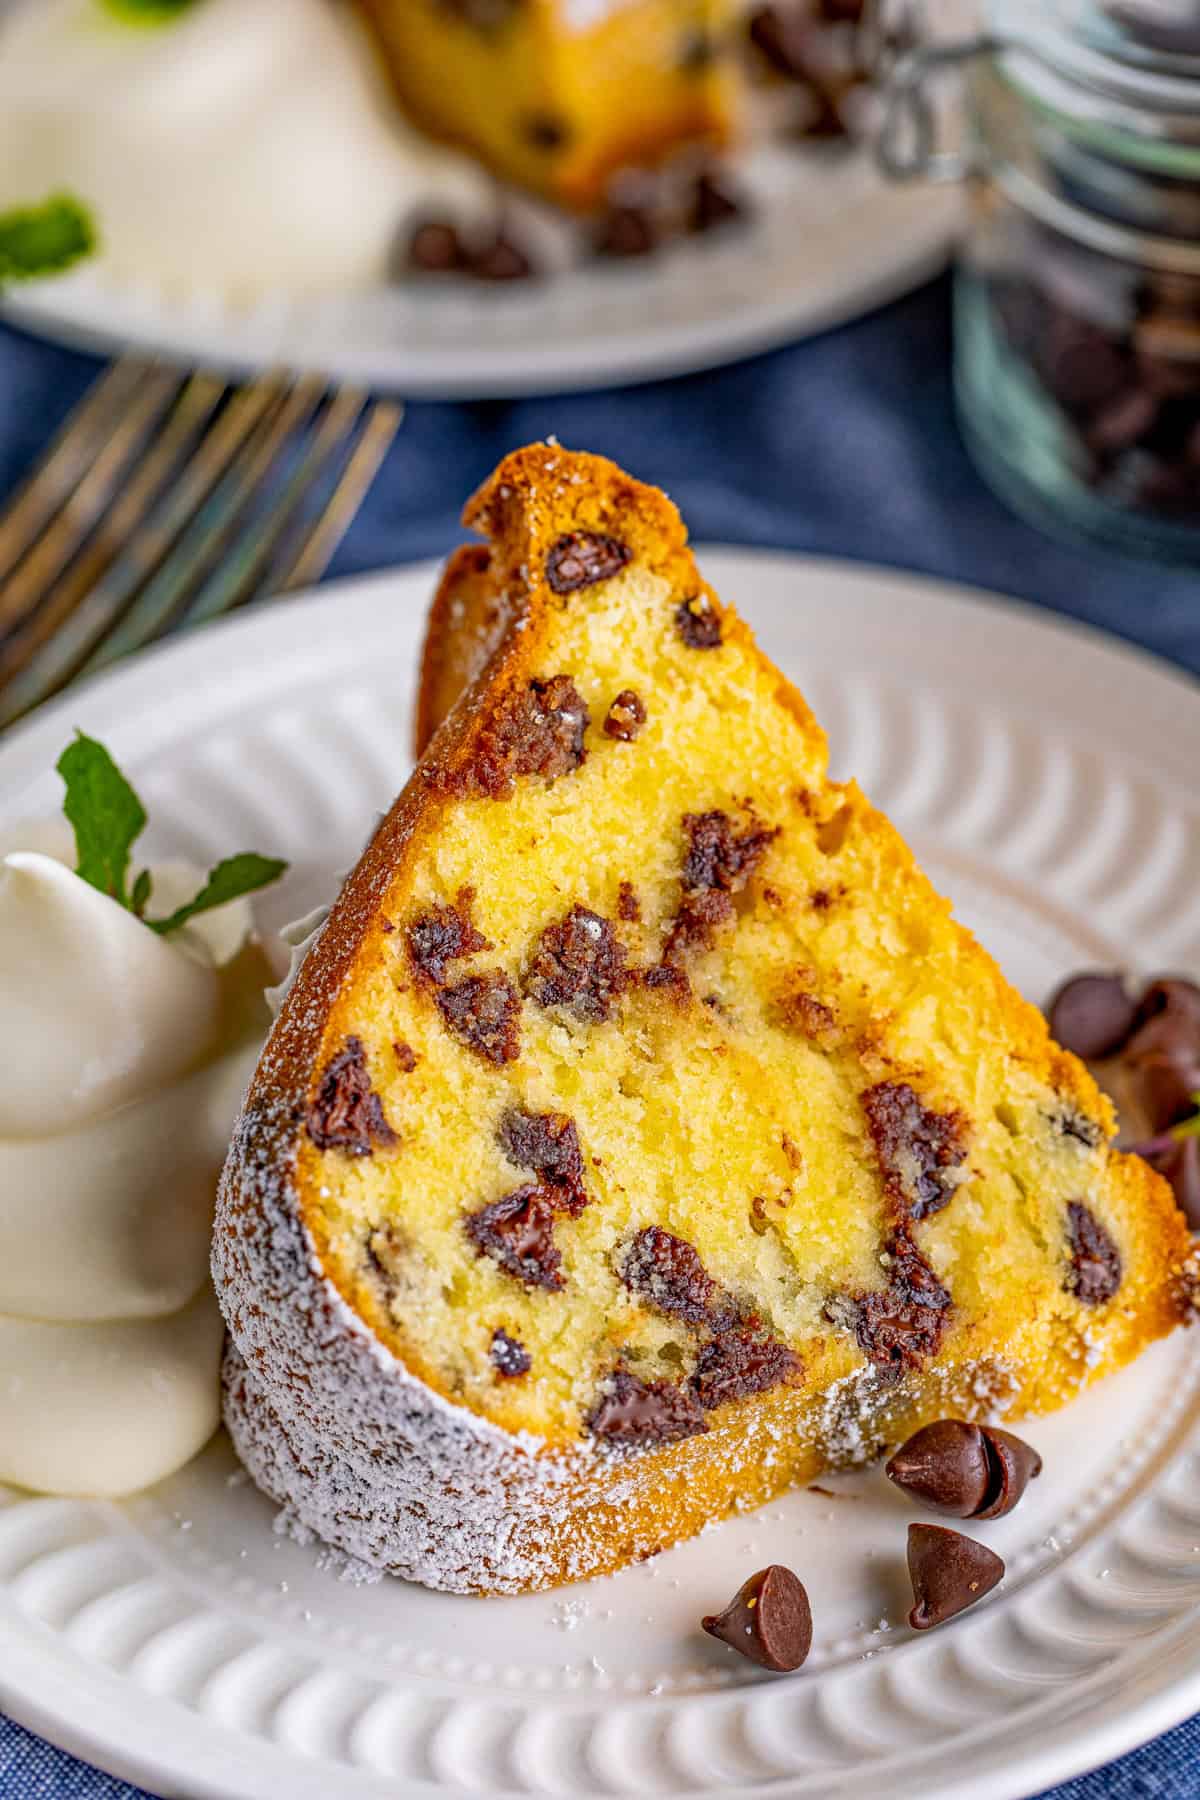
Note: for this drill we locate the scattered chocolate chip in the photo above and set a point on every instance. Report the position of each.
(435, 248)
(628, 906)
(719, 856)
(406, 1056)
(345, 1113)
(442, 935)
(713, 203)
(539, 731)
(546, 131)
(582, 558)
(484, 1011)
(1161, 1060)
(518, 1233)
(698, 624)
(1094, 1274)
(625, 717)
(919, 1151)
(499, 259)
(949, 1572)
(1013, 1465)
(668, 1272)
(902, 1324)
(548, 1144)
(739, 1362)
(1092, 1016)
(768, 1620)
(644, 1413)
(509, 1358)
(968, 1471)
(624, 231)
(579, 964)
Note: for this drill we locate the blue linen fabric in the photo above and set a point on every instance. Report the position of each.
(844, 445)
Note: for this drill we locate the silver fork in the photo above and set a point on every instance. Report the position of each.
(167, 500)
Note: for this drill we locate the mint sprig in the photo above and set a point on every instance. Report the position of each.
(45, 239)
(107, 818)
(148, 12)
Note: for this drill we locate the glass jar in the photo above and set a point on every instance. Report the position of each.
(1077, 304)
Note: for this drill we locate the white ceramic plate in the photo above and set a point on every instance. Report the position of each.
(1047, 778)
(831, 239)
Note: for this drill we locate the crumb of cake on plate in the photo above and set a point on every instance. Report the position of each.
(641, 1135)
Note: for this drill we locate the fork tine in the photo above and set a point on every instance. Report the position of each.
(187, 419)
(62, 655)
(319, 546)
(240, 576)
(201, 545)
(28, 582)
(36, 503)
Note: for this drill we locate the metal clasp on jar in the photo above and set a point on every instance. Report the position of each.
(907, 145)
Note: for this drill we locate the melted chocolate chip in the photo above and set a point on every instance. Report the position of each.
(949, 1572)
(668, 1272)
(697, 623)
(694, 925)
(518, 1233)
(968, 1471)
(582, 558)
(718, 855)
(919, 1150)
(539, 731)
(406, 1056)
(548, 1144)
(1094, 1274)
(579, 964)
(625, 717)
(442, 935)
(345, 1113)
(628, 906)
(899, 1326)
(485, 1012)
(1092, 1016)
(739, 1362)
(509, 1358)
(768, 1620)
(644, 1413)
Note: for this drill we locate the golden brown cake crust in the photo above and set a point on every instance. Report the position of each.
(348, 1422)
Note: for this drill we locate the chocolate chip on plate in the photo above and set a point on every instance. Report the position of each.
(435, 248)
(1162, 1057)
(1092, 1015)
(625, 230)
(500, 260)
(968, 1471)
(768, 1620)
(949, 1572)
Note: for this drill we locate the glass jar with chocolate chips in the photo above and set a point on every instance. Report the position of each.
(1077, 361)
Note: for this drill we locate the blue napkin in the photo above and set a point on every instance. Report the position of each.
(845, 446)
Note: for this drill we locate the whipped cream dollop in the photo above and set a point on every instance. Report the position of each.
(237, 148)
(128, 1057)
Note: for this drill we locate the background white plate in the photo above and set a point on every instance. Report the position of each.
(831, 240)
(1047, 778)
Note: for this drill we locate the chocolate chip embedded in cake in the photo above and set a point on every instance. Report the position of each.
(346, 1113)
(509, 1358)
(697, 623)
(484, 1011)
(1094, 1271)
(625, 717)
(582, 558)
(548, 1145)
(517, 1232)
(539, 731)
(920, 1151)
(741, 1361)
(718, 854)
(442, 935)
(578, 964)
(642, 1414)
(668, 1273)
(901, 1325)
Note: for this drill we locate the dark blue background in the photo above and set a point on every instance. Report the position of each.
(845, 446)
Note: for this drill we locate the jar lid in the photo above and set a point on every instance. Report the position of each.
(1086, 55)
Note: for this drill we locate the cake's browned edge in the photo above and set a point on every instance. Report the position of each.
(467, 620)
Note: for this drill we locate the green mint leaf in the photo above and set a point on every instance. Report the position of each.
(141, 893)
(148, 12)
(45, 239)
(236, 876)
(103, 811)
(1189, 1128)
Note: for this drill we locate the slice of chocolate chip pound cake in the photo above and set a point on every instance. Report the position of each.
(641, 1135)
